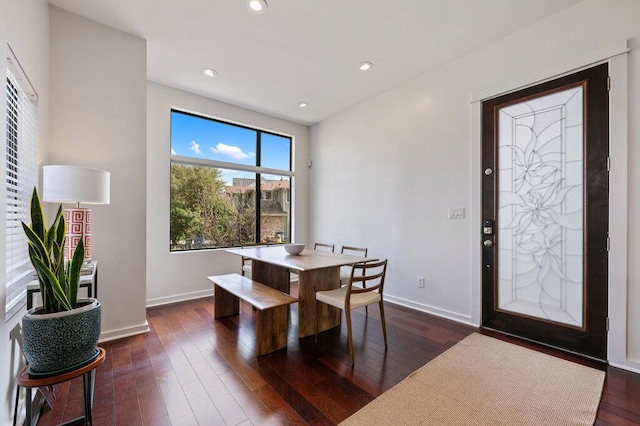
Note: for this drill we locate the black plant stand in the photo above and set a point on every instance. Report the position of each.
(88, 378)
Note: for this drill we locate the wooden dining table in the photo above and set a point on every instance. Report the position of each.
(317, 270)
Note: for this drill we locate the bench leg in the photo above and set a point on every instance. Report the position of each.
(225, 303)
(272, 329)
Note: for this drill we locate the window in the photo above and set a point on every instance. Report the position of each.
(21, 177)
(230, 184)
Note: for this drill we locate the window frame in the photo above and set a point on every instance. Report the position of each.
(257, 169)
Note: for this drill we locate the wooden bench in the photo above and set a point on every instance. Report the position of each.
(271, 308)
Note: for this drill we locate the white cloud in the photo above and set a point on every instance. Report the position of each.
(173, 151)
(234, 152)
(195, 147)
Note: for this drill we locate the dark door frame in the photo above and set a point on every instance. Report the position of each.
(616, 55)
(591, 338)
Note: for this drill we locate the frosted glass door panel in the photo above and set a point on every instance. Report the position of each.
(540, 207)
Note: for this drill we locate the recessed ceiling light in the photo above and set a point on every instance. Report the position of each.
(365, 66)
(209, 72)
(257, 6)
(303, 104)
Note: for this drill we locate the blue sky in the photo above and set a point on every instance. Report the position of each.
(203, 138)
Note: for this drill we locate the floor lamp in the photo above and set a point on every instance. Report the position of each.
(71, 184)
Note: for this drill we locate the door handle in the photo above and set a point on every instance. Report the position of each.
(487, 243)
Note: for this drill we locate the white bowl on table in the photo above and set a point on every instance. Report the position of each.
(294, 248)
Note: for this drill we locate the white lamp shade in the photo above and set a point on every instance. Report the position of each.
(71, 184)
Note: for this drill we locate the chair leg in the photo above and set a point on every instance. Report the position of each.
(349, 335)
(366, 308)
(384, 325)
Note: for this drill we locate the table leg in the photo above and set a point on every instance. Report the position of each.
(30, 299)
(308, 283)
(272, 275)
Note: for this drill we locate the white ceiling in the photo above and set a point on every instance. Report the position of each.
(306, 50)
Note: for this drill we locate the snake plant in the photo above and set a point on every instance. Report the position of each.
(59, 279)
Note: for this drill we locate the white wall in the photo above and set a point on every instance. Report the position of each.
(24, 25)
(179, 276)
(397, 162)
(98, 119)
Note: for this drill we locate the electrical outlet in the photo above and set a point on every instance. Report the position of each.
(420, 282)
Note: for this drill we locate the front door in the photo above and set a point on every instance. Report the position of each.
(545, 193)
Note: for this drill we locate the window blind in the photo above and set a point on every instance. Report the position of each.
(21, 177)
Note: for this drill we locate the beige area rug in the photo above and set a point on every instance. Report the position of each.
(485, 381)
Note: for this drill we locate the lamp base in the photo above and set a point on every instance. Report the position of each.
(78, 222)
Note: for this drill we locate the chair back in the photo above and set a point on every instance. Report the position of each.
(367, 277)
(354, 251)
(345, 271)
(324, 247)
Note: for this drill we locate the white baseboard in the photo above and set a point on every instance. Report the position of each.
(124, 332)
(453, 316)
(179, 298)
(626, 365)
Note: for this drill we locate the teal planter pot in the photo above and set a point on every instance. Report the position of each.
(63, 341)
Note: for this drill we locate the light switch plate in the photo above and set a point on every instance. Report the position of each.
(456, 213)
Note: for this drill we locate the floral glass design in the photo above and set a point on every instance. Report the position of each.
(540, 207)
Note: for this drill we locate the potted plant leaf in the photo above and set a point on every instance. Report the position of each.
(62, 334)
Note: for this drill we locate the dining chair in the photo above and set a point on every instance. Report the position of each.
(370, 276)
(324, 247)
(345, 272)
(246, 262)
(293, 275)
(316, 246)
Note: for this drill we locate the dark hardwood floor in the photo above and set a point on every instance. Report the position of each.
(191, 369)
